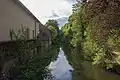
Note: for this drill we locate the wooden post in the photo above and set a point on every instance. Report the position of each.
(33, 34)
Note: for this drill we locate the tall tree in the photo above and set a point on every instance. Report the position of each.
(54, 29)
(52, 23)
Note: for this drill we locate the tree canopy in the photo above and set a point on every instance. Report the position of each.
(93, 33)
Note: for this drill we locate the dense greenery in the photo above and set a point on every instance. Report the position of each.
(52, 25)
(33, 59)
(93, 34)
(34, 67)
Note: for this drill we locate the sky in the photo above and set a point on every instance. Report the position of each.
(50, 9)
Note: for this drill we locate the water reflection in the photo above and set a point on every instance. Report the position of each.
(60, 68)
(63, 71)
(97, 73)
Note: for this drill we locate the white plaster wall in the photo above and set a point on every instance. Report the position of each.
(12, 16)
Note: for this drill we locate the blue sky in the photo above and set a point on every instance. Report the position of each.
(50, 9)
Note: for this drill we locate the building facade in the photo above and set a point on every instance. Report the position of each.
(13, 15)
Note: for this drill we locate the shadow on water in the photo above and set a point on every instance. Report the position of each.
(61, 70)
(91, 72)
(97, 73)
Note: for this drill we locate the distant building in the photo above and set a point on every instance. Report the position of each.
(13, 14)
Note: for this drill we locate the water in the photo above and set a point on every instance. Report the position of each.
(96, 73)
(63, 71)
(61, 68)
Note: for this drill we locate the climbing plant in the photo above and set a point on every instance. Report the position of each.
(31, 65)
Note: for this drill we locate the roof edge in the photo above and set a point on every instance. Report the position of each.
(19, 3)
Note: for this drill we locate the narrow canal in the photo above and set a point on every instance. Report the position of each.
(60, 68)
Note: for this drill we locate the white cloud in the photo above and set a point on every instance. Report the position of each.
(43, 9)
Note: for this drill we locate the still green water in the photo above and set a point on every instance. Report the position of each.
(91, 72)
